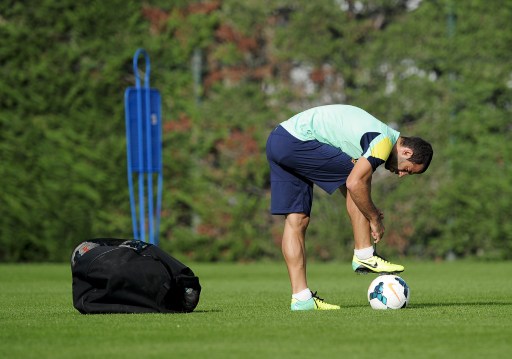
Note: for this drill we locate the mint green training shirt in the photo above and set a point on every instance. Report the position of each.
(349, 128)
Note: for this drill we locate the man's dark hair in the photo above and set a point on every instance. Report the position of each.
(421, 151)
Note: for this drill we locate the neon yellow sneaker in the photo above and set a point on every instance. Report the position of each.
(375, 264)
(314, 303)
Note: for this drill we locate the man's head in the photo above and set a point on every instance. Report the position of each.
(410, 155)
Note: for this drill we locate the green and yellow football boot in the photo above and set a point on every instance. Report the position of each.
(314, 303)
(375, 264)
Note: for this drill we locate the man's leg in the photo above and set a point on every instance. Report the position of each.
(365, 260)
(294, 252)
(290, 161)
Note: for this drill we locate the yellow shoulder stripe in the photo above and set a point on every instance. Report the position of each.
(382, 149)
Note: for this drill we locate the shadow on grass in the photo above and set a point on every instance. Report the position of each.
(440, 305)
(207, 311)
(366, 305)
(458, 304)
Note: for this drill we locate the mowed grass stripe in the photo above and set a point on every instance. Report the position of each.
(462, 309)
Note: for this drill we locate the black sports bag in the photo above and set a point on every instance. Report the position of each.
(130, 276)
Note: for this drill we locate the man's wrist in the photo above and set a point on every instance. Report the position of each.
(375, 216)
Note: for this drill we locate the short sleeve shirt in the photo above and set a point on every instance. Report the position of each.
(349, 128)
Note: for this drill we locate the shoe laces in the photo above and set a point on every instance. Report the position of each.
(381, 258)
(378, 255)
(316, 296)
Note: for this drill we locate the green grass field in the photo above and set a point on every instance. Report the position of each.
(457, 310)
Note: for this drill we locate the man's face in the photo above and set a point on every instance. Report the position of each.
(399, 163)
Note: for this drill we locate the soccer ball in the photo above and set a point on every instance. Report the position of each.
(388, 292)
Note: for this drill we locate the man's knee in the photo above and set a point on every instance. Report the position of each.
(297, 221)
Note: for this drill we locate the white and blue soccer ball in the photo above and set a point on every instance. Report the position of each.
(388, 292)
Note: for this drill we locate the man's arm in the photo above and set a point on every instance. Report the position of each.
(359, 185)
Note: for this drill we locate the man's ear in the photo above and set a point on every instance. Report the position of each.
(406, 152)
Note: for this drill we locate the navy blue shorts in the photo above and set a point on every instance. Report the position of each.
(296, 165)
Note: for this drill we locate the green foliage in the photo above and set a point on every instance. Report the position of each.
(221, 194)
(61, 134)
(439, 85)
(440, 71)
(313, 33)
